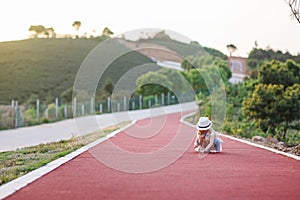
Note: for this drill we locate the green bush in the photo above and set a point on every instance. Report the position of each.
(30, 115)
(51, 111)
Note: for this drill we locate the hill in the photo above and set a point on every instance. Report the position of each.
(47, 67)
(153, 50)
(182, 49)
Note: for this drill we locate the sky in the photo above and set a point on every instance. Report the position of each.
(211, 23)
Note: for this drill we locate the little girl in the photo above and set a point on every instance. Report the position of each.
(207, 139)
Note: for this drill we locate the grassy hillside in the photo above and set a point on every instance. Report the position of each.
(47, 67)
(184, 49)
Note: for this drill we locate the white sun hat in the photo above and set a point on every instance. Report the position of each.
(204, 124)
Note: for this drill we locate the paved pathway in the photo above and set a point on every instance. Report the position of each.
(241, 171)
(30, 136)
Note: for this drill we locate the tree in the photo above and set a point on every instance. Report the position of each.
(255, 44)
(50, 33)
(66, 95)
(162, 35)
(259, 57)
(153, 83)
(225, 71)
(108, 86)
(275, 102)
(107, 32)
(295, 8)
(291, 106)
(197, 82)
(41, 31)
(186, 65)
(37, 30)
(273, 107)
(179, 81)
(231, 48)
(76, 25)
(105, 89)
(275, 72)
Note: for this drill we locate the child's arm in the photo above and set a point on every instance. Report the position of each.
(196, 143)
(211, 141)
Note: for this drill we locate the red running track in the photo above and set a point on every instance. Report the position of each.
(239, 172)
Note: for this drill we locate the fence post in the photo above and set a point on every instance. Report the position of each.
(119, 107)
(156, 100)
(74, 107)
(17, 113)
(108, 104)
(169, 98)
(92, 105)
(101, 108)
(125, 103)
(66, 111)
(140, 102)
(56, 108)
(133, 105)
(162, 99)
(37, 110)
(46, 113)
(82, 109)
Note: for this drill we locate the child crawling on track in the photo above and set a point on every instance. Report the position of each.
(206, 138)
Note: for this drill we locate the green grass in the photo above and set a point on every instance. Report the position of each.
(44, 67)
(14, 164)
(181, 48)
(47, 67)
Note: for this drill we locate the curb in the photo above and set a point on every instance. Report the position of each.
(262, 147)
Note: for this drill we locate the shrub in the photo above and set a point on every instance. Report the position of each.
(30, 116)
